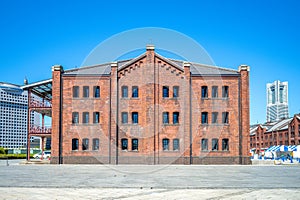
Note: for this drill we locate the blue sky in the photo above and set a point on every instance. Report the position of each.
(262, 34)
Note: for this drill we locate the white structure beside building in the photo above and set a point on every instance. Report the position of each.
(13, 116)
(277, 101)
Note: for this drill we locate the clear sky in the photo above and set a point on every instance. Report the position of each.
(262, 34)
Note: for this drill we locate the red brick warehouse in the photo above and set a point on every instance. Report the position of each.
(150, 110)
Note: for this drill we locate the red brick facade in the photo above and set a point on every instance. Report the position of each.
(285, 132)
(152, 110)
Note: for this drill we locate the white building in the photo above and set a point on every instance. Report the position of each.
(13, 116)
(277, 101)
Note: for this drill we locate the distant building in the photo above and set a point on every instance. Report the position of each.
(277, 101)
(284, 132)
(13, 116)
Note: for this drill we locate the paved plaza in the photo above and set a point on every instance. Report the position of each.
(44, 181)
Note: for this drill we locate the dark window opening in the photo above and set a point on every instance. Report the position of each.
(204, 144)
(124, 144)
(96, 144)
(85, 117)
(135, 144)
(215, 145)
(176, 145)
(165, 143)
(204, 117)
(85, 144)
(135, 91)
(96, 117)
(124, 91)
(214, 118)
(214, 92)
(225, 117)
(175, 117)
(135, 118)
(124, 117)
(204, 92)
(165, 91)
(165, 117)
(175, 91)
(75, 91)
(225, 90)
(75, 144)
(75, 118)
(225, 144)
(86, 91)
(96, 91)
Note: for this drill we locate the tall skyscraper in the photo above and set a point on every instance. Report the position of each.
(13, 116)
(277, 101)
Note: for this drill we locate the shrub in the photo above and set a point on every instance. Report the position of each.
(2, 150)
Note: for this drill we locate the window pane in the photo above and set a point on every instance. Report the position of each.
(96, 117)
(135, 118)
(176, 91)
(165, 91)
(165, 144)
(215, 145)
(214, 118)
(225, 144)
(204, 145)
(214, 91)
(135, 144)
(204, 92)
(204, 118)
(124, 91)
(165, 117)
(124, 144)
(85, 117)
(225, 119)
(75, 118)
(135, 91)
(75, 144)
(175, 144)
(86, 91)
(124, 117)
(225, 91)
(96, 91)
(85, 144)
(95, 144)
(76, 91)
(175, 117)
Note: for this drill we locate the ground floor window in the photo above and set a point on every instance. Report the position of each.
(176, 145)
(124, 144)
(225, 144)
(204, 144)
(85, 144)
(75, 144)
(214, 145)
(165, 143)
(135, 144)
(96, 144)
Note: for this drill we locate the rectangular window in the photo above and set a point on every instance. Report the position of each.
(75, 144)
(135, 117)
(135, 91)
(96, 144)
(225, 144)
(165, 143)
(124, 143)
(124, 118)
(225, 90)
(204, 92)
(86, 91)
(204, 118)
(96, 91)
(165, 91)
(175, 117)
(85, 117)
(135, 144)
(214, 92)
(75, 118)
(166, 117)
(214, 145)
(176, 145)
(204, 144)
(124, 91)
(175, 91)
(225, 117)
(75, 91)
(96, 117)
(214, 118)
(85, 144)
